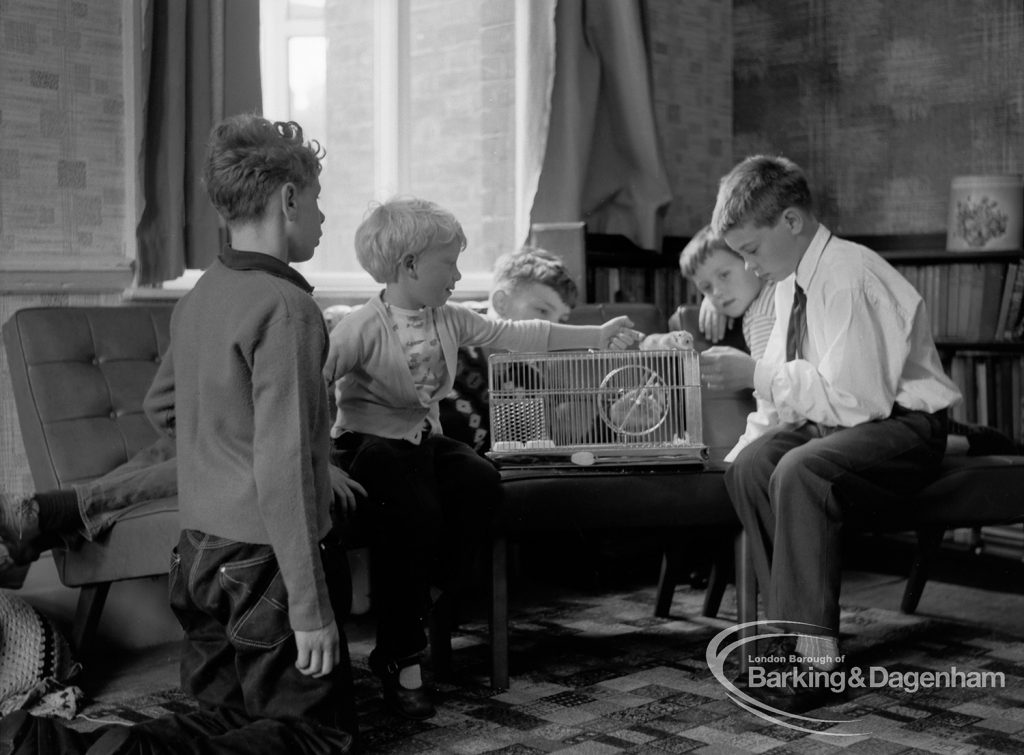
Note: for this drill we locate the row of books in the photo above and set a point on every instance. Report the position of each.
(992, 388)
(978, 301)
(662, 286)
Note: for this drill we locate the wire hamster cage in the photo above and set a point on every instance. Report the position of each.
(588, 407)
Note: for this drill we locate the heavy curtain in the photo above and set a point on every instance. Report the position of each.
(600, 159)
(189, 50)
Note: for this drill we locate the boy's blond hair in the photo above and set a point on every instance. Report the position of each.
(699, 250)
(249, 158)
(757, 191)
(400, 228)
(534, 265)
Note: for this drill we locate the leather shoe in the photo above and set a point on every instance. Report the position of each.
(787, 683)
(19, 539)
(413, 704)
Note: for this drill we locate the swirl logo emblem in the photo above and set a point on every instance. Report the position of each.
(730, 640)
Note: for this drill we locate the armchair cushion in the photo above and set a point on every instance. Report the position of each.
(79, 376)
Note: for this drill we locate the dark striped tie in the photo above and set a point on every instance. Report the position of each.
(797, 331)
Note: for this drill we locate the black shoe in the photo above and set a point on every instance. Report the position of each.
(780, 679)
(413, 704)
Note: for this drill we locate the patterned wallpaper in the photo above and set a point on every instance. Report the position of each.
(61, 129)
(882, 103)
(691, 70)
(62, 196)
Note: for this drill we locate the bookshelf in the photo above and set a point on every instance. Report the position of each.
(976, 304)
(617, 270)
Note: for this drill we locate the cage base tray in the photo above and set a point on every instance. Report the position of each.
(583, 458)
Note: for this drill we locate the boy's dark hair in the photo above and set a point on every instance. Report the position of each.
(400, 228)
(699, 250)
(534, 265)
(757, 191)
(249, 158)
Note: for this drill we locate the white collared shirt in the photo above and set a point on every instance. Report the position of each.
(869, 346)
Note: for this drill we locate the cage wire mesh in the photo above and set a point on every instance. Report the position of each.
(618, 405)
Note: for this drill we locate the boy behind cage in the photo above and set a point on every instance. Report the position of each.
(730, 290)
(394, 360)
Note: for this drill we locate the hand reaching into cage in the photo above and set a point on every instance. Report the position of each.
(618, 334)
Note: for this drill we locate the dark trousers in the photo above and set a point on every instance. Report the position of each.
(427, 520)
(239, 650)
(794, 489)
(238, 661)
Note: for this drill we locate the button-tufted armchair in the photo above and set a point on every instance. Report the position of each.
(79, 376)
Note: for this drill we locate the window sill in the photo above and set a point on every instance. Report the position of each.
(329, 288)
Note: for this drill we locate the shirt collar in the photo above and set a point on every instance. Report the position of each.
(239, 260)
(809, 262)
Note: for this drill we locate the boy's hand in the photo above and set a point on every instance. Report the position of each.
(618, 334)
(345, 489)
(319, 650)
(723, 368)
(330, 371)
(712, 323)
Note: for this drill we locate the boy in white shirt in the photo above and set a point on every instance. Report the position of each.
(852, 403)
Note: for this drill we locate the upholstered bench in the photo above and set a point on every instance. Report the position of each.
(664, 499)
(970, 492)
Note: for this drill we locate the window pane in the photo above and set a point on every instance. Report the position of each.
(462, 113)
(453, 140)
(347, 182)
(307, 59)
(306, 9)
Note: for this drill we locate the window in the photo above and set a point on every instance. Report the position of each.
(407, 97)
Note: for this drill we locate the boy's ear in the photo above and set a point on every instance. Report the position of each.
(500, 301)
(409, 265)
(288, 194)
(794, 220)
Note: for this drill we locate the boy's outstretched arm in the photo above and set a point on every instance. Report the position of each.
(617, 333)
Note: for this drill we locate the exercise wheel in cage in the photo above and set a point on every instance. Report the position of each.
(616, 406)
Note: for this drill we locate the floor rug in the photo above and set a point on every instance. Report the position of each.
(598, 673)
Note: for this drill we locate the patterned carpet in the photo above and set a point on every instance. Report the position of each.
(599, 674)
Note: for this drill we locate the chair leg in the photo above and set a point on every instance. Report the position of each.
(718, 580)
(499, 613)
(439, 630)
(667, 581)
(91, 599)
(928, 541)
(746, 592)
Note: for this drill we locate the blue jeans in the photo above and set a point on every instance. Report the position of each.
(239, 650)
(150, 475)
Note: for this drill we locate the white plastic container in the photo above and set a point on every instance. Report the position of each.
(985, 213)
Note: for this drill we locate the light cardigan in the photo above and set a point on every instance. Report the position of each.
(375, 390)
